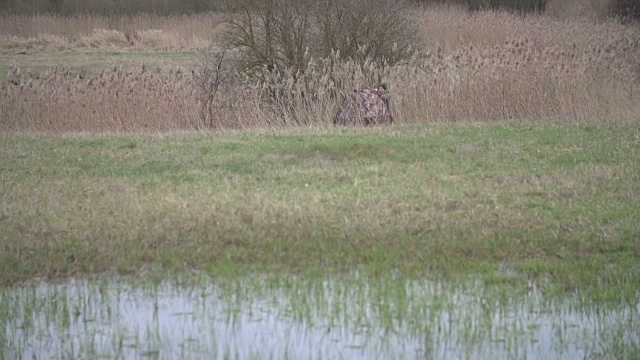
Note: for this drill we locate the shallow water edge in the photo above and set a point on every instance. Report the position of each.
(354, 316)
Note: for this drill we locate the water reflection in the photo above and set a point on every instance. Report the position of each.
(289, 317)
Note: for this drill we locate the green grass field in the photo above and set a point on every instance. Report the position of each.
(557, 202)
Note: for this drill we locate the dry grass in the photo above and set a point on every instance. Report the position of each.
(113, 101)
(92, 61)
(496, 65)
(135, 32)
(487, 66)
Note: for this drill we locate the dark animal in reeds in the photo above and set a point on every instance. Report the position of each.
(365, 107)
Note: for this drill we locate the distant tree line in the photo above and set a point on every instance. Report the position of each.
(629, 9)
(526, 6)
(69, 7)
(626, 9)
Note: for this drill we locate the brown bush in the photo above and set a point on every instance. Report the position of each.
(285, 34)
(280, 39)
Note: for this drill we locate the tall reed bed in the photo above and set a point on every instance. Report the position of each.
(113, 101)
(491, 66)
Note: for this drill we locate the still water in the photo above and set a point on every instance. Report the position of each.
(301, 317)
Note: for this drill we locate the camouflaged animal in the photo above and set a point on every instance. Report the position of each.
(365, 107)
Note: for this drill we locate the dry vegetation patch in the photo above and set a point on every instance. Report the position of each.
(116, 100)
(140, 31)
(482, 66)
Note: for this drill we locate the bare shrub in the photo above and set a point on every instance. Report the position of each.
(282, 34)
(280, 40)
(217, 86)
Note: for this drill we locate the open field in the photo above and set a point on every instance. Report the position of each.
(556, 202)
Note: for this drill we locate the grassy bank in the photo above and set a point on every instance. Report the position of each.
(554, 201)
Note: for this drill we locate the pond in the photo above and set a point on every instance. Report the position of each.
(352, 316)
